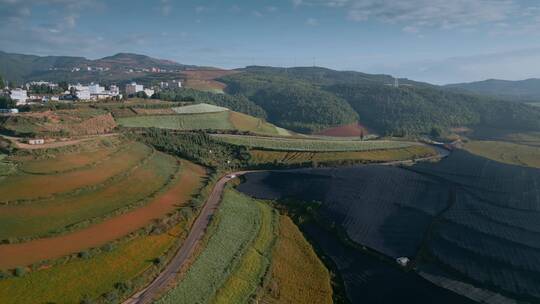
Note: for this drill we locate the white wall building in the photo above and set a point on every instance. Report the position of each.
(149, 92)
(114, 90)
(173, 84)
(19, 95)
(96, 88)
(82, 92)
(133, 88)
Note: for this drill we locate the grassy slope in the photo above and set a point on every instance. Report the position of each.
(244, 122)
(237, 225)
(217, 121)
(199, 108)
(297, 274)
(79, 278)
(510, 153)
(294, 144)
(43, 218)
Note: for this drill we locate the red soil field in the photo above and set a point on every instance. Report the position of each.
(189, 180)
(350, 130)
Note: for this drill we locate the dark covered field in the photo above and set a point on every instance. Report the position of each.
(471, 217)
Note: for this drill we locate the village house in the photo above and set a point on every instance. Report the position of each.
(19, 95)
(134, 88)
(36, 141)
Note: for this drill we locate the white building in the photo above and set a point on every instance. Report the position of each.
(114, 90)
(174, 84)
(19, 95)
(96, 88)
(133, 88)
(37, 141)
(149, 92)
(82, 92)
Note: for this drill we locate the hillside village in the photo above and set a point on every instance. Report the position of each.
(38, 92)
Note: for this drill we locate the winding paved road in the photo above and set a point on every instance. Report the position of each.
(168, 275)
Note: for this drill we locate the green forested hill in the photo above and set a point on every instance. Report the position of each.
(521, 90)
(292, 103)
(308, 99)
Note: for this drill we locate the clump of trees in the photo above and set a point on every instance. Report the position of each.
(195, 146)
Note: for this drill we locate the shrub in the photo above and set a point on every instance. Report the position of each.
(84, 254)
(19, 271)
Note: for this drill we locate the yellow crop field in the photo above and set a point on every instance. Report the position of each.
(297, 274)
(79, 278)
(506, 152)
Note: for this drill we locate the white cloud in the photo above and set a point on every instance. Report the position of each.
(420, 14)
(511, 65)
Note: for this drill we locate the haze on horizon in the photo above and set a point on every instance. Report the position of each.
(436, 41)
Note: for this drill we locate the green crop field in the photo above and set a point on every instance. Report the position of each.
(237, 225)
(300, 157)
(295, 144)
(246, 278)
(207, 121)
(54, 215)
(79, 278)
(199, 108)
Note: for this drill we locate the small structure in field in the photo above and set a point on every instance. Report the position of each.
(403, 261)
(36, 141)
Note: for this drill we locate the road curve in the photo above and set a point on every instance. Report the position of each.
(168, 275)
(196, 233)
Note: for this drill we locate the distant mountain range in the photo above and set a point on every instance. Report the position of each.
(520, 90)
(21, 68)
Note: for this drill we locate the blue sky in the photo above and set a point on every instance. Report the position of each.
(439, 41)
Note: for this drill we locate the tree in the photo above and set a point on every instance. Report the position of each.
(1, 82)
(435, 132)
(6, 102)
(63, 85)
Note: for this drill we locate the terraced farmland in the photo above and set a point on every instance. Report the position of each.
(53, 161)
(295, 144)
(242, 226)
(16, 187)
(63, 213)
(79, 278)
(186, 183)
